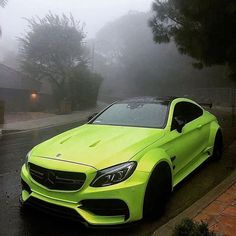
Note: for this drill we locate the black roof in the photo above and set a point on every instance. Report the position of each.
(148, 99)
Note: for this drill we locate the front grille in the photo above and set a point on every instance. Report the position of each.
(57, 180)
(53, 209)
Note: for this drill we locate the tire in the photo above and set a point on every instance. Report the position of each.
(218, 146)
(157, 192)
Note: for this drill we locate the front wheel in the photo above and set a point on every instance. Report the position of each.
(157, 192)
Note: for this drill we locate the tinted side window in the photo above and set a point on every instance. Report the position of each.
(186, 110)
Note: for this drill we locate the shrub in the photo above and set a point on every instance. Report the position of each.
(187, 227)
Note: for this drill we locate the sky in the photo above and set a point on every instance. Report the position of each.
(94, 13)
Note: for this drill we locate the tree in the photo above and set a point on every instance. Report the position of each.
(3, 3)
(204, 30)
(84, 88)
(132, 64)
(54, 49)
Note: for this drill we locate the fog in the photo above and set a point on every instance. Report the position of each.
(127, 56)
(94, 14)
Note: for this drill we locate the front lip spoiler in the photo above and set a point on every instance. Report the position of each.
(51, 209)
(26, 206)
(73, 162)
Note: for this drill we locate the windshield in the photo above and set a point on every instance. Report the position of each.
(152, 115)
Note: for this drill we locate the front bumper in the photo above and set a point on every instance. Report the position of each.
(112, 205)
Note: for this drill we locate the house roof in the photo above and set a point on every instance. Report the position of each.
(13, 79)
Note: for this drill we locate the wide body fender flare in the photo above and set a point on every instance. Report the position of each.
(150, 160)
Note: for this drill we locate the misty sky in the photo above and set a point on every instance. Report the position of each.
(95, 13)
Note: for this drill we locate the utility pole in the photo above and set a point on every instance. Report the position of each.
(93, 56)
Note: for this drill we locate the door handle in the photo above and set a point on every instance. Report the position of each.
(199, 126)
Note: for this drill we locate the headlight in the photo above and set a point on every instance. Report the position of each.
(114, 174)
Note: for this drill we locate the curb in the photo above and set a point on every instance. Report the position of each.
(5, 132)
(11, 132)
(197, 207)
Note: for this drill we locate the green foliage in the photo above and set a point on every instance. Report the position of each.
(189, 228)
(54, 49)
(3, 3)
(84, 88)
(204, 30)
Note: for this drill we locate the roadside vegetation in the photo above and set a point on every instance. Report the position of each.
(132, 64)
(204, 31)
(3, 3)
(54, 50)
(188, 227)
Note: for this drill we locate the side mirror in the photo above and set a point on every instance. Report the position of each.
(92, 116)
(180, 123)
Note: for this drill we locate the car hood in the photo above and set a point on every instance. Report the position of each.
(99, 146)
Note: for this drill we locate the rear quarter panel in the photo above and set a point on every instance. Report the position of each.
(214, 127)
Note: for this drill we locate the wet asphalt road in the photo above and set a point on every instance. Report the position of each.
(13, 149)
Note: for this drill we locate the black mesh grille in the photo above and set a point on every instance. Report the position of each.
(106, 207)
(53, 209)
(58, 180)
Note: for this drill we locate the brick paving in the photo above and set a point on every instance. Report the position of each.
(221, 213)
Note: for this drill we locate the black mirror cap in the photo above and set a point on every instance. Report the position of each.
(180, 128)
(92, 116)
(180, 123)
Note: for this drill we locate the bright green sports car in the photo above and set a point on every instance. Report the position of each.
(123, 164)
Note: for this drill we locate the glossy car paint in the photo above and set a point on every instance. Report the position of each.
(90, 148)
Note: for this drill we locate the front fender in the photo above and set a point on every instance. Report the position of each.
(152, 158)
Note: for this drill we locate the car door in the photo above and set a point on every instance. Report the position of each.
(191, 141)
